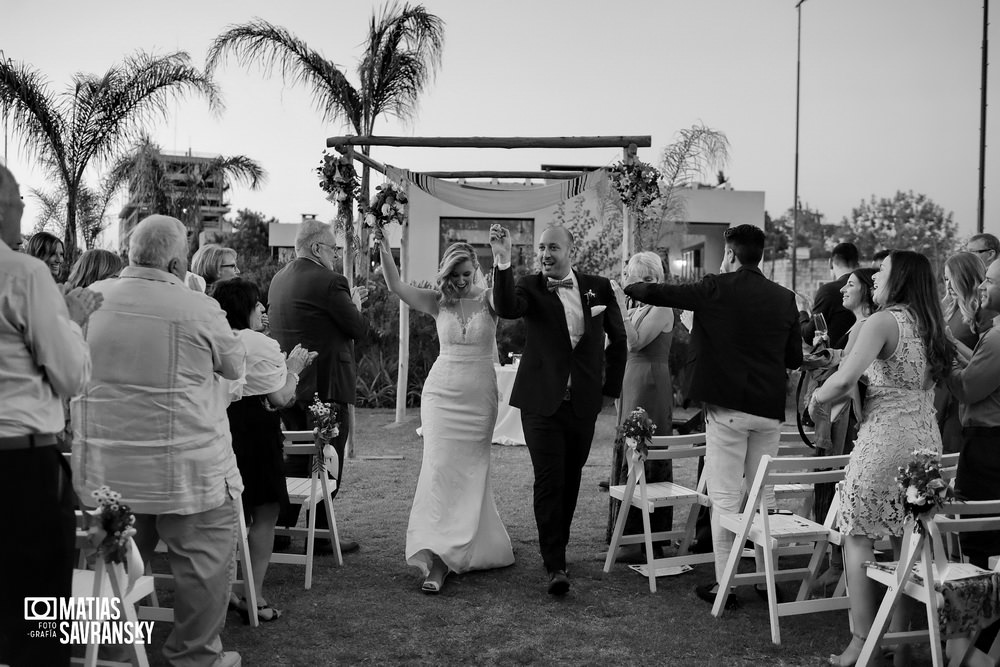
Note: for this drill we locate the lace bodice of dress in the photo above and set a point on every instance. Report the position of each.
(907, 367)
(467, 329)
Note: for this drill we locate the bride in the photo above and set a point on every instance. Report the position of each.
(454, 523)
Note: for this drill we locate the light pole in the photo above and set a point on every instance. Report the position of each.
(795, 191)
(980, 208)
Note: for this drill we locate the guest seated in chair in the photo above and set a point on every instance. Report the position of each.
(269, 384)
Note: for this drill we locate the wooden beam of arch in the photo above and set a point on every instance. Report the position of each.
(495, 142)
(379, 167)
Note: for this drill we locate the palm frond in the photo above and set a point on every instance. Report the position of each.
(272, 46)
(34, 114)
(139, 91)
(402, 54)
(52, 210)
(240, 169)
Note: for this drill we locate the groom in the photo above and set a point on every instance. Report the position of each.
(563, 373)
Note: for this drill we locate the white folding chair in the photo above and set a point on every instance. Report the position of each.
(781, 534)
(308, 492)
(924, 571)
(110, 580)
(155, 612)
(648, 497)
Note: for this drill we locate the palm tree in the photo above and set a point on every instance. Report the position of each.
(697, 151)
(91, 209)
(91, 120)
(144, 167)
(402, 52)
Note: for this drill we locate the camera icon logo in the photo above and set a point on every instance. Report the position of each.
(40, 609)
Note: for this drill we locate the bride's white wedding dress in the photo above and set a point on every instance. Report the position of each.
(454, 514)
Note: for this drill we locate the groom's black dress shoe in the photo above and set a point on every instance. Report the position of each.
(707, 592)
(558, 582)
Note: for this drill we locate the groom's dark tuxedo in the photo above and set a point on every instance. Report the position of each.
(559, 389)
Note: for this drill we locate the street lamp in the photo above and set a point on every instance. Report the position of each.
(795, 192)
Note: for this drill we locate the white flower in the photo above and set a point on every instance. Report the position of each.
(914, 497)
(631, 442)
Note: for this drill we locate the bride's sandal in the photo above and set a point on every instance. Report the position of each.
(435, 579)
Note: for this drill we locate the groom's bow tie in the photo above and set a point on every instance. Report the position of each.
(553, 284)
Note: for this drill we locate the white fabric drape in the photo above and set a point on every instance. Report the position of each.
(489, 199)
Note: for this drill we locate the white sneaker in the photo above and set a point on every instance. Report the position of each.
(229, 659)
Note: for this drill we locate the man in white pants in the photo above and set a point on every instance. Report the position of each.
(746, 333)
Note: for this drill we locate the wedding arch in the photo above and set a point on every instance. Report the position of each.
(470, 197)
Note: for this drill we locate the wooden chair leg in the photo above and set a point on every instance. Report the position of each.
(331, 522)
(730, 572)
(647, 527)
(616, 535)
(772, 592)
(249, 587)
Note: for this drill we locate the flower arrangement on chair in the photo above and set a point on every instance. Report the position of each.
(111, 525)
(638, 430)
(925, 491)
(324, 431)
(388, 205)
(637, 183)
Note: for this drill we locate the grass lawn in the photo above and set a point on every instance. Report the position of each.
(372, 611)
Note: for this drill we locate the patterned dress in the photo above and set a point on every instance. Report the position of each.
(898, 418)
(454, 514)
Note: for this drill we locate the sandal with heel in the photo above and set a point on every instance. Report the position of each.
(265, 613)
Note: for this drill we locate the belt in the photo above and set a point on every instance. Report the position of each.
(993, 431)
(28, 441)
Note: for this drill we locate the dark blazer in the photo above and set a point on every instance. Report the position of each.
(746, 333)
(830, 302)
(311, 305)
(549, 361)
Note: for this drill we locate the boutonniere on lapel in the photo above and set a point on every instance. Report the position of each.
(590, 296)
(594, 310)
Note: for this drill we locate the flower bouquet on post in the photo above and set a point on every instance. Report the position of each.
(638, 430)
(112, 524)
(325, 429)
(924, 490)
(388, 205)
(637, 183)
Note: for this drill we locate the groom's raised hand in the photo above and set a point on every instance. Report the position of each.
(500, 243)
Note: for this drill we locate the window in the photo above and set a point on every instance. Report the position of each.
(476, 232)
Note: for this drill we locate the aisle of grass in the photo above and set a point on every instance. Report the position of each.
(371, 611)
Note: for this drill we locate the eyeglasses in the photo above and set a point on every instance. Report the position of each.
(982, 250)
(331, 247)
(227, 266)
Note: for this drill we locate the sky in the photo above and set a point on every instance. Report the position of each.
(890, 89)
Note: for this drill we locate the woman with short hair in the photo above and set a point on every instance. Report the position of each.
(269, 383)
(94, 265)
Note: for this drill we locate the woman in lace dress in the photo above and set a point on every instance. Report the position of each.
(903, 350)
(454, 524)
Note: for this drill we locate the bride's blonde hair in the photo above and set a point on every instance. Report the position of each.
(453, 256)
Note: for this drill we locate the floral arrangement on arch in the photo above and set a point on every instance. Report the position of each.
(637, 183)
(112, 524)
(325, 429)
(925, 491)
(388, 205)
(638, 430)
(338, 178)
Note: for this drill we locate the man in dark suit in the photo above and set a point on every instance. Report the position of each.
(563, 373)
(829, 301)
(745, 334)
(309, 303)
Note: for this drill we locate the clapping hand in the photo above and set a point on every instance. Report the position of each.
(299, 358)
(81, 302)
(358, 296)
(619, 295)
(500, 243)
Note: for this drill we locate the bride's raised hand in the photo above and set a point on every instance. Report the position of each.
(500, 243)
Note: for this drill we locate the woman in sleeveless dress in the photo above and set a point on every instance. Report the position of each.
(647, 384)
(903, 349)
(454, 524)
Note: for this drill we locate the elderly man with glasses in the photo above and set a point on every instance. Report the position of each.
(311, 304)
(985, 246)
